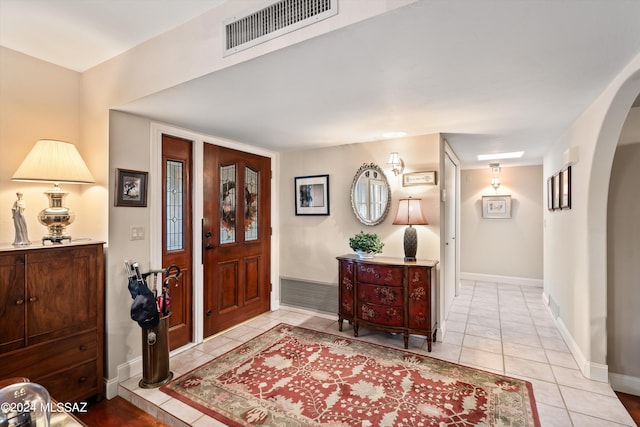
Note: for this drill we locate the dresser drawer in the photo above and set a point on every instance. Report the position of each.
(381, 295)
(43, 359)
(73, 384)
(380, 314)
(379, 274)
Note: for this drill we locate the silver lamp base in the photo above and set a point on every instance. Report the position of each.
(56, 217)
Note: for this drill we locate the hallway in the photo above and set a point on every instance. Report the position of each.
(495, 327)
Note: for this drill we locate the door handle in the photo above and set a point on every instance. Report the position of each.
(210, 246)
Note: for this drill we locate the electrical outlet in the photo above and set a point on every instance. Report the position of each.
(136, 232)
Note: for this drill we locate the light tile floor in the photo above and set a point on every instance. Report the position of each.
(501, 328)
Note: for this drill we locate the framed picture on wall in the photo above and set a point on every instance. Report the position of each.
(556, 191)
(496, 207)
(312, 195)
(131, 188)
(565, 188)
(419, 178)
(550, 193)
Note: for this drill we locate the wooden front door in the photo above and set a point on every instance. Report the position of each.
(236, 237)
(176, 235)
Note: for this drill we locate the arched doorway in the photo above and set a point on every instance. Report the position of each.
(623, 248)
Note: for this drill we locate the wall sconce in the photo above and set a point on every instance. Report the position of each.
(396, 163)
(495, 175)
(410, 213)
(54, 161)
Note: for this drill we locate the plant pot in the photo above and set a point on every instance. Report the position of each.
(363, 254)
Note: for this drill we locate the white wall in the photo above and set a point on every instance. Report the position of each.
(309, 244)
(502, 247)
(575, 241)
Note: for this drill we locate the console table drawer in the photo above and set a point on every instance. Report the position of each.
(381, 314)
(379, 274)
(383, 295)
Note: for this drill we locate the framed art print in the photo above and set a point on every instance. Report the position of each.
(496, 207)
(565, 188)
(550, 193)
(131, 188)
(556, 191)
(419, 178)
(312, 195)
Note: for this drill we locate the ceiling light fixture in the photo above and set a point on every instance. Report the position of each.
(396, 134)
(501, 156)
(495, 175)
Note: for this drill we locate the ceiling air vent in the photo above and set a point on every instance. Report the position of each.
(275, 20)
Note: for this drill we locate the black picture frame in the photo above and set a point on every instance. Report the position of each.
(550, 193)
(556, 191)
(131, 188)
(311, 194)
(565, 188)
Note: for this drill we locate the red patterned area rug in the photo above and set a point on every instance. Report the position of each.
(292, 376)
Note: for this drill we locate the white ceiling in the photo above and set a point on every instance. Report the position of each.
(492, 75)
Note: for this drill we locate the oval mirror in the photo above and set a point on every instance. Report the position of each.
(370, 194)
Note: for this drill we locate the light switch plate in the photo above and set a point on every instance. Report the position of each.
(136, 232)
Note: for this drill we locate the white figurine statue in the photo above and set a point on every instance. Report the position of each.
(22, 237)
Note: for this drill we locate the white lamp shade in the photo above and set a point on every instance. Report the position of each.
(410, 213)
(394, 159)
(55, 161)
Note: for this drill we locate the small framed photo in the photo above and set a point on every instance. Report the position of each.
(496, 207)
(131, 188)
(419, 178)
(312, 195)
(556, 191)
(565, 188)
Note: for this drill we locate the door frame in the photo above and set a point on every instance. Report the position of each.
(155, 213)
(447, 151)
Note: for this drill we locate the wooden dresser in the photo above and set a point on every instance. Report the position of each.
(388, 294)
(52, 311)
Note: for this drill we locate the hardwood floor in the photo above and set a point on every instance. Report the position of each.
(632, 403)
(117, 412)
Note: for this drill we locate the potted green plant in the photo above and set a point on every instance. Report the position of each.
(366, 244)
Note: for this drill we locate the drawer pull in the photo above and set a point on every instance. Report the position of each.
(33, 299)
(377, 275)
(82, 379)
(20, 302)
(83, 347)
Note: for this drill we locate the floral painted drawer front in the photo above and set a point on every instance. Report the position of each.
(383, 295)
(417, 298)
(379, 274)
(381, 314)
(346, 287)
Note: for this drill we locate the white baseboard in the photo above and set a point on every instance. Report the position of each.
(519, 281)
(111, 388)
(129, 369)
(625, 384)
(591, 370)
